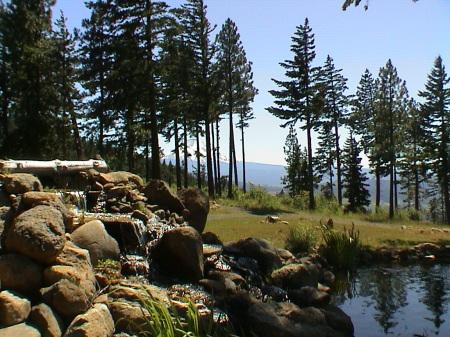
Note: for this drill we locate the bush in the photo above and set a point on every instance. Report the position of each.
(341, 246)
(300, 239)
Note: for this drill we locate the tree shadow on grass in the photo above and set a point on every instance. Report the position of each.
(408, 243)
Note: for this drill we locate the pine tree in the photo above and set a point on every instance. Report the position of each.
(392, 98)
(235, 85)
(66, 63)
(295, 101)
(5, 99)
(296, 178)
(333, 86)
(28, 59)
(197, 33)
(353, 178)
(437, 126)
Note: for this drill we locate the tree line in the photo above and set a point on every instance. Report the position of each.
(404, 140)
(135, 71)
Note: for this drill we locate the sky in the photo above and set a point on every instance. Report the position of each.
(411, 34)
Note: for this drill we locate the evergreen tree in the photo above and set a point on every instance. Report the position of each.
(353, 178)
(295, 101)
(235, 85)
(66, 77)
(392, 98)
(296, 178)
(333, 86)
(5, 99)
(197, 33)
(27, 56)
(367, 123)
(437, 126)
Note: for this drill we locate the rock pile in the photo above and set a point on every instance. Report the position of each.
(62, 276)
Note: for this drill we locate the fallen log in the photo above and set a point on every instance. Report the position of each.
(52, 167)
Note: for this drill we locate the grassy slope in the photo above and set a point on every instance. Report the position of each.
(231, 223)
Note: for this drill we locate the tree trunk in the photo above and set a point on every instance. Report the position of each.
(244, 182)
(199, 169)
(209, 170)
(185, 152)
(312, 205)
(219, 184)
(230, 159)
(52, 167)
(214, 155)
(177, 155)
(338, 164)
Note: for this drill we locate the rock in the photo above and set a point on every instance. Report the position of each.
(121, 177)
(296, 276)
(180, 252)
(13, 268)
(46, 320)
(159, 193)
(14, 309)
(37, 233)
(129, 317)
(94, 237)
(197, 203)
(219, 275)
(136, 292)
(97, 321)
(259, 249)
(77, 258)
(338, 320)
(309, 297)
(22, 329)
(33, 199)
(68, 299)
(19, 183)
(211, 239)
(53, 274)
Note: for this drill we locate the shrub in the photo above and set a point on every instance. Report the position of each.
(300, 239)
(341, 246)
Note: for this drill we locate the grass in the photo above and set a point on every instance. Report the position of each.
(233, 223)
(341, 246)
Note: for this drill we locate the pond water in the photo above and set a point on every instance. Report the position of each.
(397, 300)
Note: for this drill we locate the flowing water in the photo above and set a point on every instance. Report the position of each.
(399, 301)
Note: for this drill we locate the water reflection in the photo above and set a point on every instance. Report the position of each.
(396, 300)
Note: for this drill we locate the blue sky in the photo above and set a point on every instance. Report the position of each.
(411, 34)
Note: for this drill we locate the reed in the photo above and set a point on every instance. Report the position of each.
(301, 239)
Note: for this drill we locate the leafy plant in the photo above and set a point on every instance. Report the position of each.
(300, 239)
(341, 246)
(160, 320)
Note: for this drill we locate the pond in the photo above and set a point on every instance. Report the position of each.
(397, 300)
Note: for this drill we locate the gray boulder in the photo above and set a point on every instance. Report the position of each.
(94, 237)
(197, 203)
(20, 273)
(180, 252)
(14, 309)
(37, 233)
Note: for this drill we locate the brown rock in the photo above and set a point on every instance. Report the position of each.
(93, 237)
(14, 309)
(197, 203)
(19, 183)
(129, 316)
(46, 320)
(13, 268)
(22, 329)
(309, 297)
(295, 276)
(121, 177)
(159, 193)
(37, 233)
(68, 299)
(97, 321)
(180, 252)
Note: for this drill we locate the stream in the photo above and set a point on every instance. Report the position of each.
(396, 300)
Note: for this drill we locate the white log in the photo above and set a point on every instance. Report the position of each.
(52, 167)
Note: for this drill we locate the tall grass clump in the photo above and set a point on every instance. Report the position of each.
(259, 201)
(160, 320)
(341, 246)
(300, 239)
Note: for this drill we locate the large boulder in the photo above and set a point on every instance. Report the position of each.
(46, 320)
(19, 183)
(96, 321)
(296, 276)
(68, 299)
(94, 237)
(20, 273)
(33, 199)
(180, 252)
(81, 268)
(22, 329)
(14, 308)
(197, 203)
(159, 193)
(121, 177)
(37, 233)
(261, 250)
